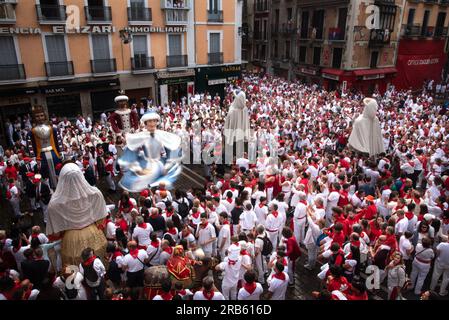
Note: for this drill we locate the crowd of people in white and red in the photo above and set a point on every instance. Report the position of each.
(298, 190)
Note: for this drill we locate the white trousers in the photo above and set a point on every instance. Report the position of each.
(260, 267)
(439, 270)
(299, 226)
(418, 275)
(110, 182)
(273, 236)
(269, 194)
(229, 292)
(312, 254)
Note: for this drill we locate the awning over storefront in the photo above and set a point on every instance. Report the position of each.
(372, 72)
(332, 74)
(419, 60)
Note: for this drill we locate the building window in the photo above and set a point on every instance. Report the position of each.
(411, 16)
(425, 23)
(289, 14)
(336, 57)
(175, 56)
(102, 61)
(304, 25)
(302, 54)
(7, 12)
(276, 49)
(140, 47)
(318, 23)
(439, 27)
(214, 12)
(317, 56)
(215, 54)
(374, 59)
(287, 50)
(9, 65)
(139, 12)
(57, 64)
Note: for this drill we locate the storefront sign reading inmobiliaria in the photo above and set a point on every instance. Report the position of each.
(92, 30)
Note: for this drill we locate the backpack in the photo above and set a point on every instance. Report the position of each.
(267, 246)
(114, 272)
(183, 209)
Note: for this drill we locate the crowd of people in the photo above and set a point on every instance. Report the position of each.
(297, 189)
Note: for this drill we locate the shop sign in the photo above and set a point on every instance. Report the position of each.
(217, 81)
(330, 76)
(168, 75)
(236, 68)
(91, 30)
(374, 76)
(308, 71)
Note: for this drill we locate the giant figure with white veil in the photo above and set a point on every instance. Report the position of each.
(366, 135)
(74, 211)
(237, 127)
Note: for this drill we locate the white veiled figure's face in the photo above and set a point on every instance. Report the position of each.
(370, 109)
(240, 101)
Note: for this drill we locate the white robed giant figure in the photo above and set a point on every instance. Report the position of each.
(75, 209)
(366, 134)
(237, 127)
(151, 157)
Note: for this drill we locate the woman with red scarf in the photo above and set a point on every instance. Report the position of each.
(293, 252)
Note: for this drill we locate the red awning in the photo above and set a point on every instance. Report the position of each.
(336, 72)
(369, 72)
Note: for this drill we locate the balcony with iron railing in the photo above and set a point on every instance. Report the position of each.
(7, 13)
(51, 14)
(142, 63)
(175, 4)
(59, 69)
(176, 17)
(379, 37)
(177, 61)
(336, 34)
(409, 30)
(103, 66)
(288, 29)
(261, 6)
(139, 16)
(98, 15)
(427, 32)
(215, 58)
(12, 72)
(440, 32)
(215, 16)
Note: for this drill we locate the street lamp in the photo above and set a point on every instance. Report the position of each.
(126, 37)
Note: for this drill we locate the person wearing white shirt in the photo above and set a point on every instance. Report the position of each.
(299, 219)
(154, 250)
(332, 202)
(224, 236)
(405, 246)
(421, 264)
(93, 271)
(278, 283)
(77, 279)
(231, 266)
(142, 233)
(206, 235)
(243, 162)
(441, 267)
(208, 291)
(133, 263)
(401, 223)
(273, 225)
(261, 211)
(248, 219)
(251, 290)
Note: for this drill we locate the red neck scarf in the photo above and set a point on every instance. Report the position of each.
(166, 296)
(196, 215)
(172, 231)
(134, 253)
(203, 226)
(169, 213)
(225, 222)
(274, 213)
(208, 294)
(230, 200)
(89, 261)
(232, 262)
(142, 225)
(169, 250)
(303, 202)
(280, 276)
(356, 243)
(117, 253)
(34, 235)
(244, 253)
(409, 215)
(261, 205)
(155, 244)
(250, 287)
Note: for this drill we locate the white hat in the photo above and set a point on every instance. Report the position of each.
(121, 98)
(429, 217)
(151, 115)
